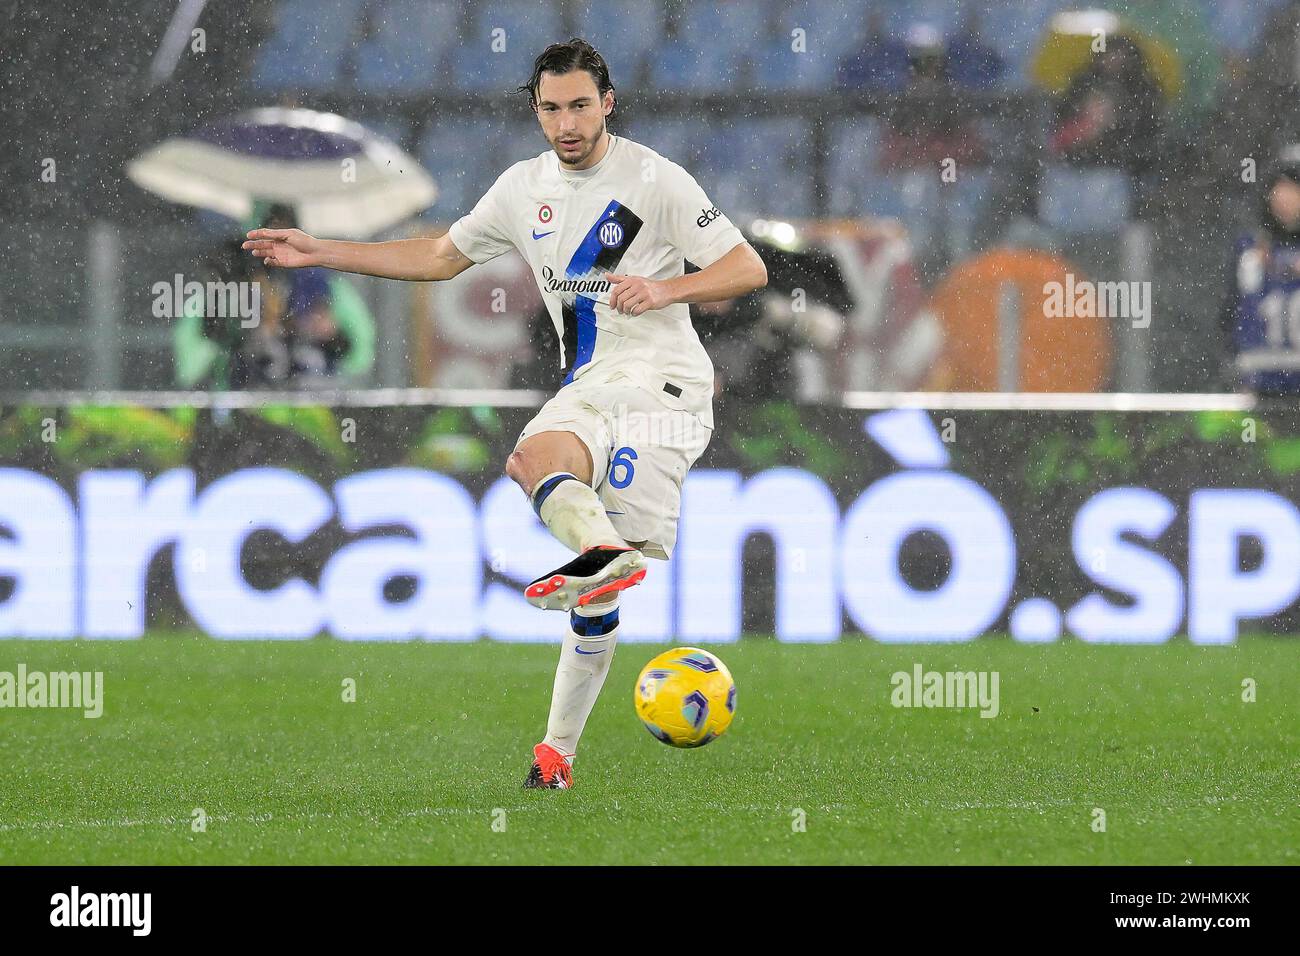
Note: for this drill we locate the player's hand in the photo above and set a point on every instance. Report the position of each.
(287, 248)
(633, 295)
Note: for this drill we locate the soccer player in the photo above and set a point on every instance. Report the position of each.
(606, 225)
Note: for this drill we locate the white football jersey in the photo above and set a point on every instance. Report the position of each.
(633, 213)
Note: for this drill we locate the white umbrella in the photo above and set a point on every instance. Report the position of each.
(342, 179)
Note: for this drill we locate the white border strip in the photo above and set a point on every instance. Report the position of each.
(531, 398)
(1268, 360)
(1053, 401)
(340, 398)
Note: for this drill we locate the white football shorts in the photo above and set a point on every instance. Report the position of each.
(641, 449)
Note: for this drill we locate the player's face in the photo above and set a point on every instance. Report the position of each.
(572, 113)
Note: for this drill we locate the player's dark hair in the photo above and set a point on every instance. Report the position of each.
(562, 58)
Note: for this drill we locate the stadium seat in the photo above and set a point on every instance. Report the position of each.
(1075, 200)
(724, 26)
(1016, 28)
(749, 168)
(934, 212)
(453, 152)
(308, 44)
(391, 126)
(724, 147)
(759, 168)
(521, 140)
(678, 66)
(673, 138)
(1237, 24)
(779, 67)
(525, 29)
(622, 30)
(857, 187)
(939, 214)
(834, 28)
(409, 47)
(943, 15)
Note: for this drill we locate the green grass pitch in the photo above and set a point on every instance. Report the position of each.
(425, 766)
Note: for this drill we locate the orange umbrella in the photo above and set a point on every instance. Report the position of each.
(998, 336)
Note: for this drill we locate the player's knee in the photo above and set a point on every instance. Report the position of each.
(519, 470)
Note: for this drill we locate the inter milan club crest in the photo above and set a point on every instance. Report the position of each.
(544, 214)
(610, 234)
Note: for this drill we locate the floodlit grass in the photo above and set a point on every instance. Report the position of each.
(432, 753)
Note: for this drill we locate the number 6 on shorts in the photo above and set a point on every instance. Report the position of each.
(622, 459)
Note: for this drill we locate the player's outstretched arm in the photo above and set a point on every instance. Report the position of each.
(425, 260)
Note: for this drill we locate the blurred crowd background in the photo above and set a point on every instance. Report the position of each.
(942, 158)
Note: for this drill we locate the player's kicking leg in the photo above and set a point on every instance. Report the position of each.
(555, 469)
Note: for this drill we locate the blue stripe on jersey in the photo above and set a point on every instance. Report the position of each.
(583, 261)
(585, 309)
(585, 258)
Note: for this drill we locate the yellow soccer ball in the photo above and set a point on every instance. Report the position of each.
(686, 697)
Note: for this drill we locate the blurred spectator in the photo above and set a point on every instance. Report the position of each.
(926, 126)
(1181, 26)
(890, 64)
(972, 63)
(539, 367)
(1258, 110)
(312, 326)
(927, 134)
(1274, 61)
(753, 341)
(1261, 315)
(1111, 112)
(881, 64)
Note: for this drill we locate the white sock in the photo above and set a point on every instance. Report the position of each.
(584, 662)
(574, 512)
